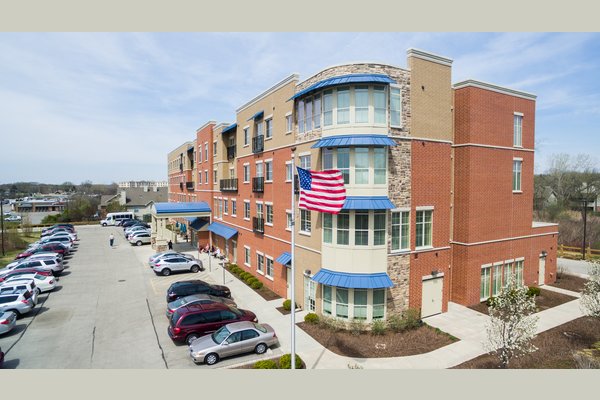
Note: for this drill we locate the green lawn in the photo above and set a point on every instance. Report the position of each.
(10, 255)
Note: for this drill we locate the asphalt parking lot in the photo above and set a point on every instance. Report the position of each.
(108, 311)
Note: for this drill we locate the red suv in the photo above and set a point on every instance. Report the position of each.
(194, 320)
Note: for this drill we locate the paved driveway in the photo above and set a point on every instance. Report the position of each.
(107, 312)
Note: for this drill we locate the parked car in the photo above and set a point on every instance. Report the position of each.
(55, 267)
(59, 226)
(196, 299)
(18, 301)
(131, 223)
(153, 257)
(1, 358)
(66, 241)
(8, 320)
(194, 320)
(27, 285)
(170, 254)
(54, 247)
(177, 264)
(135, 228)
(70, 235)
(140, 238)
(26, 271)
(13, 218)
(195, 286)
(45, 283)
(231, 340)
(36, 256)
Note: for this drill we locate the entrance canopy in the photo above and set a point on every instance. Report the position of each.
(162, 212)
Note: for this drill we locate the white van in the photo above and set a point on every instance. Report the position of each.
(114, 218)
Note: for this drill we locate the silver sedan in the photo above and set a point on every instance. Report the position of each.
(233, 339)
(177, 263)
(8, 320)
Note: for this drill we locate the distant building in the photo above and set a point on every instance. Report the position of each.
(138, 200)
(141, 184)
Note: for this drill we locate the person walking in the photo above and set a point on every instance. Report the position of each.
(170, 244)
(111, 240)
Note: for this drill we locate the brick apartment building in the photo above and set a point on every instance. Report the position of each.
(439, 182)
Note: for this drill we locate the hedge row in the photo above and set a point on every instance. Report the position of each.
(245, 277)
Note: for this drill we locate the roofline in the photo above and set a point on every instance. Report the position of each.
(192, 142)
(494, 88)
(277, 86)
(206, 124)
(352, 63)
(429, 56)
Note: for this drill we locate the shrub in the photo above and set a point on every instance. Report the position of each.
(265, 364)
(357, 326)
(311, 318)
(285, 361)
(395, 323)
(287, 305)
(411, 318)
(249, 279)
(533, 291)
(244, 275)
(333, 324)
(378, 327)
(490, 302)
(256, 285)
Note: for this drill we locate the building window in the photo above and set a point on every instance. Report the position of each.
(361, 165)
(246, 173)
(485, 282)
(215, 176)
(518, 131)
(378, 303)
(327, 108)
(269, 213)
(247, 256)
(288, 216)
(327, 158)
(268, 128)
(379, 228)
(288, 171)
(305, 221)
(246, 209)
(400, 230)
(343, 106)
(268, 171)
(233, 207)
(220, 201)
(395, 106)
(327, 228)
(206, 177)
(246, 136)
(269, 271)
(214, 148)
(424, 228)
(361, 104)
(205, 152)
(260, 262)
(317, 112)
(361, 228)
(343, 163)
(259, 128)
(288, 124)
(225, 206)
(517, 169)
(259, 170)
(343, 228)
(519, 272)
(308, 114)
(300, 114)
(508, 267)
(199, 154)
(199, 177)
(341, 303)
(379, 104)
(305, 161)
(259, 210)
(327, 300)
(379, 164)
(497, 279)
(360, 304)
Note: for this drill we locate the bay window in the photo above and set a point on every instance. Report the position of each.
(395, 106)
(327, 108)
(343, 228)
(343, 106)
(379, 104)
(361, 228)
(327, 228)
(361, 165)
(361, 104)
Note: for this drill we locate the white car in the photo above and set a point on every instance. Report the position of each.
(71, 236)
(64, 240)
(171, 263)
(46, 254)
(48, 264)
(13, 218)
(28, 285)
(140, 238)
(44, 283)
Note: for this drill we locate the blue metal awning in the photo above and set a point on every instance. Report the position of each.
(353, 281)
(196, 223)
(190, 147)
(285, 258)
(229, 128)
(344, 80)
(368, 203)
(257, 115)
(354, 140)
(181, 208)
(222, 230)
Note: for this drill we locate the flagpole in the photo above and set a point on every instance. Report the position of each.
(293, 263)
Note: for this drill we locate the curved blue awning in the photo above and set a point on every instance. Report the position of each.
(353, 281)
(180, 208)
(222, 230)
(344, 80)
(196, 223)
(368, 203)
(229, 128)
(257, 115)
(285, 258)
(354, 140)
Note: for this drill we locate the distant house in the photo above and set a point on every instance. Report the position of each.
(138, 200)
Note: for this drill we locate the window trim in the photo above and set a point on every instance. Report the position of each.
(520, 172)
(418, 210)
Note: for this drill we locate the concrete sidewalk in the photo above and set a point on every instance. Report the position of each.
(574, 267)
(462, 322)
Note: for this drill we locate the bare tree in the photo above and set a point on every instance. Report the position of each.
(590, 296)
(512, 326)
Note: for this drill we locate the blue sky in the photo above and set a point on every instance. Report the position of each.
(110, 106)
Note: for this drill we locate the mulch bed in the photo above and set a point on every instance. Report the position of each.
(284, 311)
(365, 345)
(569, 282)
(555, 347)
(547, 299)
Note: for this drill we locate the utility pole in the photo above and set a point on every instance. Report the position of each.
(584, 228)
(2, 221)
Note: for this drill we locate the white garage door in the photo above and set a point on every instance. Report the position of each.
(431, 301)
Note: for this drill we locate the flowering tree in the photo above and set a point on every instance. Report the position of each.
(512, 326)
(590, 296)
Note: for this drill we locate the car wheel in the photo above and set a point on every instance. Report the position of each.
(16, 312)
(138, 243)
(191, 337)
(211, 359)
(166, 272)
(261, 348)
(104, 224)
(195, 268)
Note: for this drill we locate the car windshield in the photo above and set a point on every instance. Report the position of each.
(235, 310)
(260, 327)
(220, 335)
(40, 277)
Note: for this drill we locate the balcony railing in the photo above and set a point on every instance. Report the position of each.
(258, 184)
(258, 144)
(258, 224)
(230, 152)
(228, 185)
(189, 185)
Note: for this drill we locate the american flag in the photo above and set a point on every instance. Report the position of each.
(322, 191)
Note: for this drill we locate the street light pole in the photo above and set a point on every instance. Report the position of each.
(2, 222)
(584, 228)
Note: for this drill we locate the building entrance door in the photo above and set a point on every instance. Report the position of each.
(542, 271)
(431, 299)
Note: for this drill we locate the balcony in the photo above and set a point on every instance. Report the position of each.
(258, 184)
(189, 185)
(228, 185)
(258, 224)
(258, 144)
(231, 152)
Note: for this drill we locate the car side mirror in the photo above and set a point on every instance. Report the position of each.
(225, 343)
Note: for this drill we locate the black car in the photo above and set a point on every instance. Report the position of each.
(133, 222)
(196, 286)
